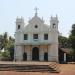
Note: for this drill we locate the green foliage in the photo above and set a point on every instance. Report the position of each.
(62, 39)
(73, 30)
(72, 41)
(5, 54)
(63, 42)
(11, 50)
(1, 41)
(72, 37)
(7, 42)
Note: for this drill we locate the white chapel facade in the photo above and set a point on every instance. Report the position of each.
(36, 41)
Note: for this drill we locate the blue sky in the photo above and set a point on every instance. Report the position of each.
(10, 9)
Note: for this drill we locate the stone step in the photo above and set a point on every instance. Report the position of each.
(27, 68)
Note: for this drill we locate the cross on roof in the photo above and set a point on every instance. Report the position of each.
(36, 11)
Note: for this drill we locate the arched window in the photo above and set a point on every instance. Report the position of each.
(54, 25)
(24, 56)
(18, 26)
(45, 56)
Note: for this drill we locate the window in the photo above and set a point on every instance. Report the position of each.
(36, 26)
(46, 56)
(45, 36)
(53, 25)
(25, 56)
(35, 36)
(18, 26)
(25, 36)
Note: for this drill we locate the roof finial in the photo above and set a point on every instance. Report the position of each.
(36, 11)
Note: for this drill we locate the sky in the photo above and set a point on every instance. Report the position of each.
(10, 9)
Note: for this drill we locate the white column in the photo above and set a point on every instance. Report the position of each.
(49, 53)
(53, 52)
(41, 53)
(64, 57)
(15, 53)
(18, 53)
(28, 54)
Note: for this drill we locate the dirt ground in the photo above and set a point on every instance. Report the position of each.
(66, 69)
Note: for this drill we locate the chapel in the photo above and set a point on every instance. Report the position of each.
(36, 41)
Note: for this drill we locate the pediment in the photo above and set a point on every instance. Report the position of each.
(36, 21)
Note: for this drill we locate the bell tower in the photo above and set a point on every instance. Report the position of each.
(54, 40)
(54, 23)
(19, 23)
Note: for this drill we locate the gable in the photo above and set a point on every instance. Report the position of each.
(36, 25)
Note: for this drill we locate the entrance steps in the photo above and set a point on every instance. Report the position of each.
(52, 67)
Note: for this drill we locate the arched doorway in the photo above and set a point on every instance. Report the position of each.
(24, 56)
(35, 54)
(46, 56)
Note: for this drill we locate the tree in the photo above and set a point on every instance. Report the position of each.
(72, 39)
(1, 41)
(11, 47)
(11, 50)
(6, 54)
(63, 42)
(73, 30)
(5, 40)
